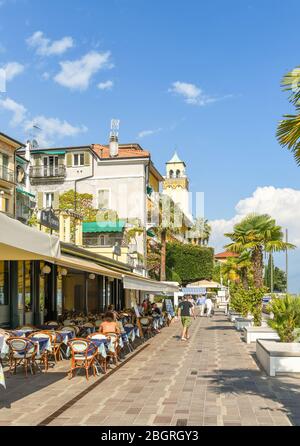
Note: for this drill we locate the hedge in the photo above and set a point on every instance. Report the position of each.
(189, 263)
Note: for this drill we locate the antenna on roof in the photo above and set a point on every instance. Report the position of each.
(114, 137)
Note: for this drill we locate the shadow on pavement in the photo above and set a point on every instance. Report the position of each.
(281, 389)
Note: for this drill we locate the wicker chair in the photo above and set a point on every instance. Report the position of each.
(21, 351)
(101, 359)
(146, 324)
(43, 356)
(83, 355)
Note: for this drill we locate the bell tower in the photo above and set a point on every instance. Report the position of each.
(176, 183)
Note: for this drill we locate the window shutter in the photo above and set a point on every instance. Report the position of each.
(87, 159)
(40, 201)
(38, 160)
(61, 160)
(69, 159)
(55, 203)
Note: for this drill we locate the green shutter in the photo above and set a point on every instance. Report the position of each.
(69, 159)
(87, 159)
(55, 203)
(40, 200)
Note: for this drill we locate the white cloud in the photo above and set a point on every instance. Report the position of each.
(105, 85)
(52, 129)
(46, 47)
(13, 69)
(144, 133)
(283, 204)
(192, 94)
(18, 110)
(77, 74)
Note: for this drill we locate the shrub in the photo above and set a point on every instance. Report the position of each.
(189, 263)
(286, 319)
(247, 301)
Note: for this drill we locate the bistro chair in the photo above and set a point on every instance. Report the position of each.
(43, 356)
(53, 324)
(83, 355)
(98, 322)
(67, 322)
(22, 351)
(72, 328)
(101, 359)
(114, 339)
(146, 324)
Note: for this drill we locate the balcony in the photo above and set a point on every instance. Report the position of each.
(52, 173)
(7, 174)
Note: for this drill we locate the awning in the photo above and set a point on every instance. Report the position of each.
(193, 290)
(133, 282)
(204, 284)
(24, 192)
(103, 226)
(49, 152)
(20, 242)
(85, 266)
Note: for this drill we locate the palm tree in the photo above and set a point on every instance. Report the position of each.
(256, 234)
(288, 130)
(243, 262)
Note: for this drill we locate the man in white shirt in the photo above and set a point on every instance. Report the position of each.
(209, 306)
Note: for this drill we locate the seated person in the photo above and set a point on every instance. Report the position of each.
(109, 325)
(156, 310)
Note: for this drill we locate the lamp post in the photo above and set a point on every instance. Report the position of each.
(286, 261)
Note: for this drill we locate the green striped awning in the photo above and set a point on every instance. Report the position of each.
(49, 152)
(24, 192)
(103, 226)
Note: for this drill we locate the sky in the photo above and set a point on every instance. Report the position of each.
(199, 77)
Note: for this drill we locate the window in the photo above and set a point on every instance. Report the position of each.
(78, 159)
(6, 204)
(177, 173)
(102, 240)
(49, 198)
(171, 173)
(3, 283)
(103, 199)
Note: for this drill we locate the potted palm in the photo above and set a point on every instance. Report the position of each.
(283, 356)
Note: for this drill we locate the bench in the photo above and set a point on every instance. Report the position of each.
(278, 357)
(251, 334)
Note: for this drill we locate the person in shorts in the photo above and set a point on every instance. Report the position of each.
(186, 311)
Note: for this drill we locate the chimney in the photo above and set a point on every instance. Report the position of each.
(113, 146)
(113, 138)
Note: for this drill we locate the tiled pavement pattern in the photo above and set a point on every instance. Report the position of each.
(212, 379)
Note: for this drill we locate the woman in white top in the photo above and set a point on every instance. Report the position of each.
(209, 306)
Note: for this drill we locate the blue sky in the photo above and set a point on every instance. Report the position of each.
(203, 77)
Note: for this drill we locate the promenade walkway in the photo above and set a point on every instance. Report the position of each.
(210, 380)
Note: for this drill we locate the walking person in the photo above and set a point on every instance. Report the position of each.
(202, 300)
(209, 306)
(186, 311)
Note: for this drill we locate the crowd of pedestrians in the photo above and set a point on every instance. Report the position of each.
(186, 311)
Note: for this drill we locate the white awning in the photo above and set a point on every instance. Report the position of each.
(133, 282)
(83, 265)
(20, 242)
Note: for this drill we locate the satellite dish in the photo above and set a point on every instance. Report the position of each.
(35, 144)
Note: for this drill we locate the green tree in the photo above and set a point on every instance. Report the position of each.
(279, 278)
(288, 130)
(84, 204)
(256, 234)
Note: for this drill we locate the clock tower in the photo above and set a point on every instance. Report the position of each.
(176, 183)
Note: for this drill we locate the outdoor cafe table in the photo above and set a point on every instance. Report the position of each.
(23, 333)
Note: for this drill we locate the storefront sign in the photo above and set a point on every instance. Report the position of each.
(169, 307)
(49, 219)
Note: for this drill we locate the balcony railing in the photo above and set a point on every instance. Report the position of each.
(7, 174)
(47, 172)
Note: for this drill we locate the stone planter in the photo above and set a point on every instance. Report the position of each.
(278, 357)
(243, 322)
(251, 334)
(233, 315)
